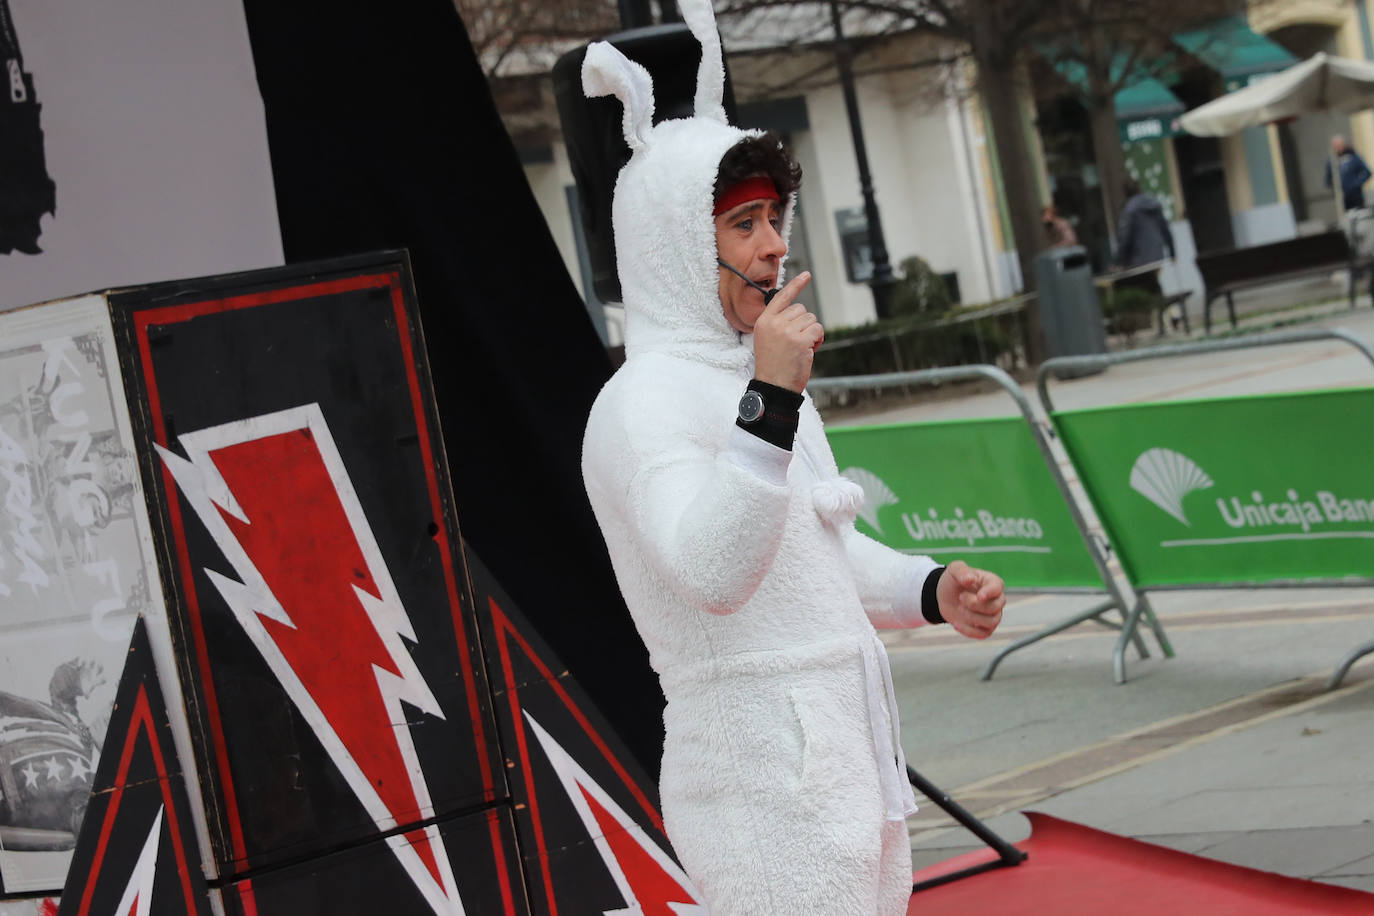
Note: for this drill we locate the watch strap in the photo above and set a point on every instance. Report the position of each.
(777, 424)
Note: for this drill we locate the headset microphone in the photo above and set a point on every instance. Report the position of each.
(768, 294)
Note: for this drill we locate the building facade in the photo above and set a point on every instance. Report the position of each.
(935, 173)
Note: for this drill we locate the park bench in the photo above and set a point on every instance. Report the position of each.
(1224, 272)
(1145, 276)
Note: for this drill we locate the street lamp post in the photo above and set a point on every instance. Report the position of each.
(634, 14)
(882, 279)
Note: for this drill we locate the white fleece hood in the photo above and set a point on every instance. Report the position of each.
(665, 239)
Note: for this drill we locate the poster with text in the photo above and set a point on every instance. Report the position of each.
(76, 568)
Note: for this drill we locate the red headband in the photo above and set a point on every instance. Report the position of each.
(759, 187)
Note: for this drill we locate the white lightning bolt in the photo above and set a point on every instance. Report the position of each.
(140, 886)
(251, 599)
(575, 780)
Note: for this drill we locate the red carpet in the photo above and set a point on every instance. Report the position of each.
(1077, 870)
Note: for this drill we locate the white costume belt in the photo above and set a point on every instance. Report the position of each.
(899, 802)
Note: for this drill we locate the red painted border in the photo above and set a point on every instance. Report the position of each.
(176, 314)
(501, 625)
(450, 579)
(654, 817)
(503, 879)
(141, 715)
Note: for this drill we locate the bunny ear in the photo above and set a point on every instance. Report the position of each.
(605, 71)
(701, 19)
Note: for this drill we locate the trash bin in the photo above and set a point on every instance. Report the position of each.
(1069, 310)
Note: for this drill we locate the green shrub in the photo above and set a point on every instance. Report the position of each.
(919, 290)
(1131, 300)
(921, 342)
(1130, 309)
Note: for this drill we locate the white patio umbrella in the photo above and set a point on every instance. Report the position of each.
(1320, 83)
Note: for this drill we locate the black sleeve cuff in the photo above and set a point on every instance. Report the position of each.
(930, 605)
(781, 411)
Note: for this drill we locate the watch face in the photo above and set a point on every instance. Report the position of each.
(750, 406)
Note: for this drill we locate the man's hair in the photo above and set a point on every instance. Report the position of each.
(761, 155)
(1131, 187)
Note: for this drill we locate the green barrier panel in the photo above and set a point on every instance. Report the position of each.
(953, 489)
(1259, 489)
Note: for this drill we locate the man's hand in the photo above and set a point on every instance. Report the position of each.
(786, 336)
(971, 600)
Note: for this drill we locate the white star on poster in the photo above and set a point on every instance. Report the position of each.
(54, 769)
(30, 776)
(79, 768)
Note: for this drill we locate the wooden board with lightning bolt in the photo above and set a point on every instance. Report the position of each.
(376, 726)
(325, 635)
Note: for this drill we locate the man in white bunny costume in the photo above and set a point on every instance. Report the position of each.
(783, 781)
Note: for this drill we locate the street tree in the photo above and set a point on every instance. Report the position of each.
(996, 35)
(1115, 44)
(517, 37)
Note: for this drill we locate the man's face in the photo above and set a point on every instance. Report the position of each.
(749, 239)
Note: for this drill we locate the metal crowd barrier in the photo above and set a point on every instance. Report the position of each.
(1300, 537)
(970, 450)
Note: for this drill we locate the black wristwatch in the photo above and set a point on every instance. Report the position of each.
(751, 407)
(769, 412)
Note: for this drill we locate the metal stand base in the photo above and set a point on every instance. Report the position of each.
(1339, 674)
(1008, 854)
(1130, 631)
(1130, 634)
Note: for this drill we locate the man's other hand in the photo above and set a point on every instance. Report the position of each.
(786, 336)
(971, 600)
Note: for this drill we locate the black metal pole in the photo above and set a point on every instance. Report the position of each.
(635, 14)
(882, 279)
(1007, 854)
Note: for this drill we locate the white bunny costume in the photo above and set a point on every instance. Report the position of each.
(783, 783)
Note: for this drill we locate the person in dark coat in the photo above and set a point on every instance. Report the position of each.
(1354, 173)
(1142, 234)
(1143, 237)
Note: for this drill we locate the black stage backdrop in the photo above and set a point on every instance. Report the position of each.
(383, 135)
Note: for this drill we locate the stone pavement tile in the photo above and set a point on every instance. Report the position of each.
(1359, 883)
(1195, 843)
(1056, 775)
(1278, 808)
(1115, 813)
(924, 858)
(1313, 748)
(1310, 755)
(1301, 853)
(1363, 866)
(957, 729)
(1012, 827)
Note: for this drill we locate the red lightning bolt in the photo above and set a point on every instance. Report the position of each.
(316, 598)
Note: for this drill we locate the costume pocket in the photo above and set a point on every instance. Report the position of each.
(830, 751)
(838, 791)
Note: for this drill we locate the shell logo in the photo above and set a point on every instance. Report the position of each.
(876, 494)
(1164, 477)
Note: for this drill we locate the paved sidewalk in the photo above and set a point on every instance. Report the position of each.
(1232, 749)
